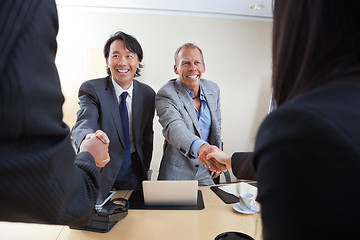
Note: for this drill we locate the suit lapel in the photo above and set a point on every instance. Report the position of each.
(210, 99)
(188, 104)
(112, 100)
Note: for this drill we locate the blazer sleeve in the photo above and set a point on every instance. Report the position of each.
(242, 166)
(175, 120)
(39, 180)
(88, 114)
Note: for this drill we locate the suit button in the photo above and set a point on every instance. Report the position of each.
(197, 165)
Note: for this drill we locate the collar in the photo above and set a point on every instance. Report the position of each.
(191, 94)
(119, 90)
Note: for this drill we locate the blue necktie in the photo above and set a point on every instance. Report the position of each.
(125, 127)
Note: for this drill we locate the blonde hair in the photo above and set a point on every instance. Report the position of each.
(187, 45)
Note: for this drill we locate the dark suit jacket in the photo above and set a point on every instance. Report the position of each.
(307, 158)
(38, 179)
(242, 167)
(99, 109)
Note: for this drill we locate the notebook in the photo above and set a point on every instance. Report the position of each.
(170, 193)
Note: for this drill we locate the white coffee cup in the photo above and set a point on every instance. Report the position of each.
(248, 200)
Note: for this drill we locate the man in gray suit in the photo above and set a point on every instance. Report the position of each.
(189, 112)
(124, 109)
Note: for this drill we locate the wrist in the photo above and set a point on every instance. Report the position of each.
(195, 147)
(202, 148)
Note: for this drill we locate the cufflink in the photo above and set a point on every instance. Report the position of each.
(182, 150)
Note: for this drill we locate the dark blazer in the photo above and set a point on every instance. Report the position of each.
(242, 166)
(38, 179)
(99, 109)
(307, 158)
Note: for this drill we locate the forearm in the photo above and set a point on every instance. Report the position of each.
(56, 191)
(242, 166)
(87, 116)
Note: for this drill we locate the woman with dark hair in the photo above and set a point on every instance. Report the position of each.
(310, 144)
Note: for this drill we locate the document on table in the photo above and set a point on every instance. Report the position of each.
(237, 188)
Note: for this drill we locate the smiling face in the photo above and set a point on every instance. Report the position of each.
(122, 64)
(189, 66)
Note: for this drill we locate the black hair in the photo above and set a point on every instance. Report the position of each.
(130, 43)
(314, 42)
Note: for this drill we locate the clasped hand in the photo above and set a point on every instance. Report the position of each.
(214, 159)
(97, 144)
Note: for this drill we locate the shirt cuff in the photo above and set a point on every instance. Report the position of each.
(195, 147)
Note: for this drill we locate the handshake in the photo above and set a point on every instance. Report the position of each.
(214, 159)
(97, 144)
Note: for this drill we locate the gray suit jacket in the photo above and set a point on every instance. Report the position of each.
(178, 118)
(99, 109)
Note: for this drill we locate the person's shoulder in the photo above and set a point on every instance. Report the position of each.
(322, 101)
(297, 115)
(167, 91)
(210, 83)
(96, 81)
(145, 87)
(169, 83)
(210, 86)
(168, 86)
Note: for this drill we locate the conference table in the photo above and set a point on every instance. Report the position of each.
(217, 217)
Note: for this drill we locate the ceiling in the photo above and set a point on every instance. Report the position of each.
(239, 9)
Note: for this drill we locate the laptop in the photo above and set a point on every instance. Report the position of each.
(165, 193)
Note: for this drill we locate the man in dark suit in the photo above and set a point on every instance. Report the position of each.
(128, 126)
(39, 181)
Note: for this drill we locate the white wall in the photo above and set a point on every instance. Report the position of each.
(237, 57)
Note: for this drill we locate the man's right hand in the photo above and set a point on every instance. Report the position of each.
(218, 158)
(97, 144)
(212, 164)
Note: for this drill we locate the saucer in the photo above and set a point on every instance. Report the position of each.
(237, 207)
